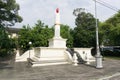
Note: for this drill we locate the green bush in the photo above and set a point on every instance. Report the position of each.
(6, 53)
(113, 53)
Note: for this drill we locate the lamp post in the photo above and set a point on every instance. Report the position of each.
(29, 49)
(98, 55)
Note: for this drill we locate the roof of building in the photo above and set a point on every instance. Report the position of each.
(13, 30)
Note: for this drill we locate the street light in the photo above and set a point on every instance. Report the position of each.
(98, 55)
(29, 49)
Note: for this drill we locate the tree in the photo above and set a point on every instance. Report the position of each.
(114, 20)
(110, 30)
(38, 35)
(115, 29)
(84, 33)
(6, 44)
(115, 36)
(9, 13)
(41, 34)
(66, 33)
(8, 17)
(24, 37)
(104, 31)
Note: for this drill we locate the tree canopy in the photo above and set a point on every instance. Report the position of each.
(66, 33)
(38, 35)
(110, 30)
(84, 32)
(8, 17)
(6, 44)
(9, 12)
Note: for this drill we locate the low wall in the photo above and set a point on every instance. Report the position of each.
(47, 53)
(85, 53)
(50, 53)
(23, 57)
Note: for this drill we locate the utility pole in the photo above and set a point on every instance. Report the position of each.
(98, 55)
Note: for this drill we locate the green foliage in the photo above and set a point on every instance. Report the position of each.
(9, 12)
(38, 35)
(6, 44)
(66, 33)
(8, 17)
(114, 20)
(41, 34)
(115, 36)
(24, 37)
(84, 33)
(104, 31)
(110, 31)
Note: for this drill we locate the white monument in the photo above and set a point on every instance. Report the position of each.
(56, 53)
(57, 41)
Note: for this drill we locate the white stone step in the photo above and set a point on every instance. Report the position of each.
(47, 62)
(21, 60)
(46, 58)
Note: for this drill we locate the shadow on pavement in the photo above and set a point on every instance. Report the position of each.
(5, 66)
(6, 63)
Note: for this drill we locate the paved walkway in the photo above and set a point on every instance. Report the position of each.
(20, 71)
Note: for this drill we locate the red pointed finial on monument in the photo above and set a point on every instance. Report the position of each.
(57, 10)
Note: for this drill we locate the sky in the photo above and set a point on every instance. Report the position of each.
(44, 10)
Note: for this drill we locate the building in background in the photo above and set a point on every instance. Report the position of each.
(13, 32)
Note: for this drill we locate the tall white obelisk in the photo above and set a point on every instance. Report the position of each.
(57, 24)
(57, 41)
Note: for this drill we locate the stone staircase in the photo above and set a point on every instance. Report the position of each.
(34, 62)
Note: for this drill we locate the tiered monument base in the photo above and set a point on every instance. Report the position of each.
(48, 56)
(52, 55)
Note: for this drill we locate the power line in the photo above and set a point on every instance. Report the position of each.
(107, 5)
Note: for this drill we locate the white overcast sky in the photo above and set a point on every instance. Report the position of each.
(44, 10)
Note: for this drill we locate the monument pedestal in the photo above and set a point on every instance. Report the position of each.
(57, 43)
(44, 56)
(52, 55)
